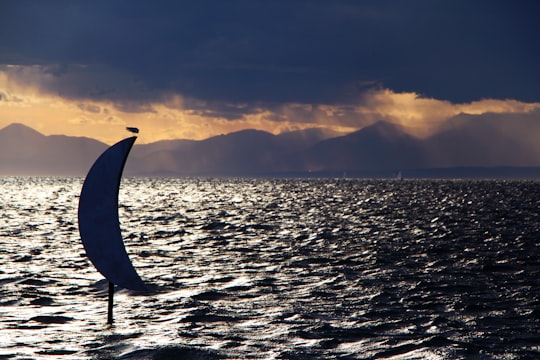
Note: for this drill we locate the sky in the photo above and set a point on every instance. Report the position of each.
(191, 70)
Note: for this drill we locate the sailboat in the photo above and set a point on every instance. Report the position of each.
(99, 224)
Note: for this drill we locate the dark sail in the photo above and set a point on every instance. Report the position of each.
(99, 225)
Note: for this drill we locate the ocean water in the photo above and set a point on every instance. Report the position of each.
(278, 269)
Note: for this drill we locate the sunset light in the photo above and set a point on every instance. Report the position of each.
(171, 119)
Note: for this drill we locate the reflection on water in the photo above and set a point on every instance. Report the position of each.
(285, 269)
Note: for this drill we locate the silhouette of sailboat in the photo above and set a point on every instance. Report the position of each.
(99, 224)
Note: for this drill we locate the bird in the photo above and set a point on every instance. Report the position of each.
(133, 130)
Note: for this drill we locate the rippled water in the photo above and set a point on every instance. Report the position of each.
(284, 269)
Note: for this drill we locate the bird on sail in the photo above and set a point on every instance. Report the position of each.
(133, 130)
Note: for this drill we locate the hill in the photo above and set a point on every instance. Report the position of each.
(465, 142)
(24, 151)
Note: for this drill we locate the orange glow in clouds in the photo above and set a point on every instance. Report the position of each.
(52, 114)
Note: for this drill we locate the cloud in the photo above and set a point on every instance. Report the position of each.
(79, 82)
(301, 51)
(497, 106)
(89, 108)
(134, 107)
(80, 120)
(6, 97)
(423, 116)
(173, 115)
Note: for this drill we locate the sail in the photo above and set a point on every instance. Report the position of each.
(99, 225)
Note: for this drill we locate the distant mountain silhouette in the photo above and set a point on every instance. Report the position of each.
(377, 147)
(240, 153)
(486, 140)
(24, 151)
(158, 158)
(464, 141)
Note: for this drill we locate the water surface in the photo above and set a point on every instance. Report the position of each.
(283, 269)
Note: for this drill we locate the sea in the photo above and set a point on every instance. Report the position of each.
(277, 269)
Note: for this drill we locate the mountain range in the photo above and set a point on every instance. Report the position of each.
(469, 144)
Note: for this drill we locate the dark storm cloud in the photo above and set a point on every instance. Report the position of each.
(226, 110)
(243, 51)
